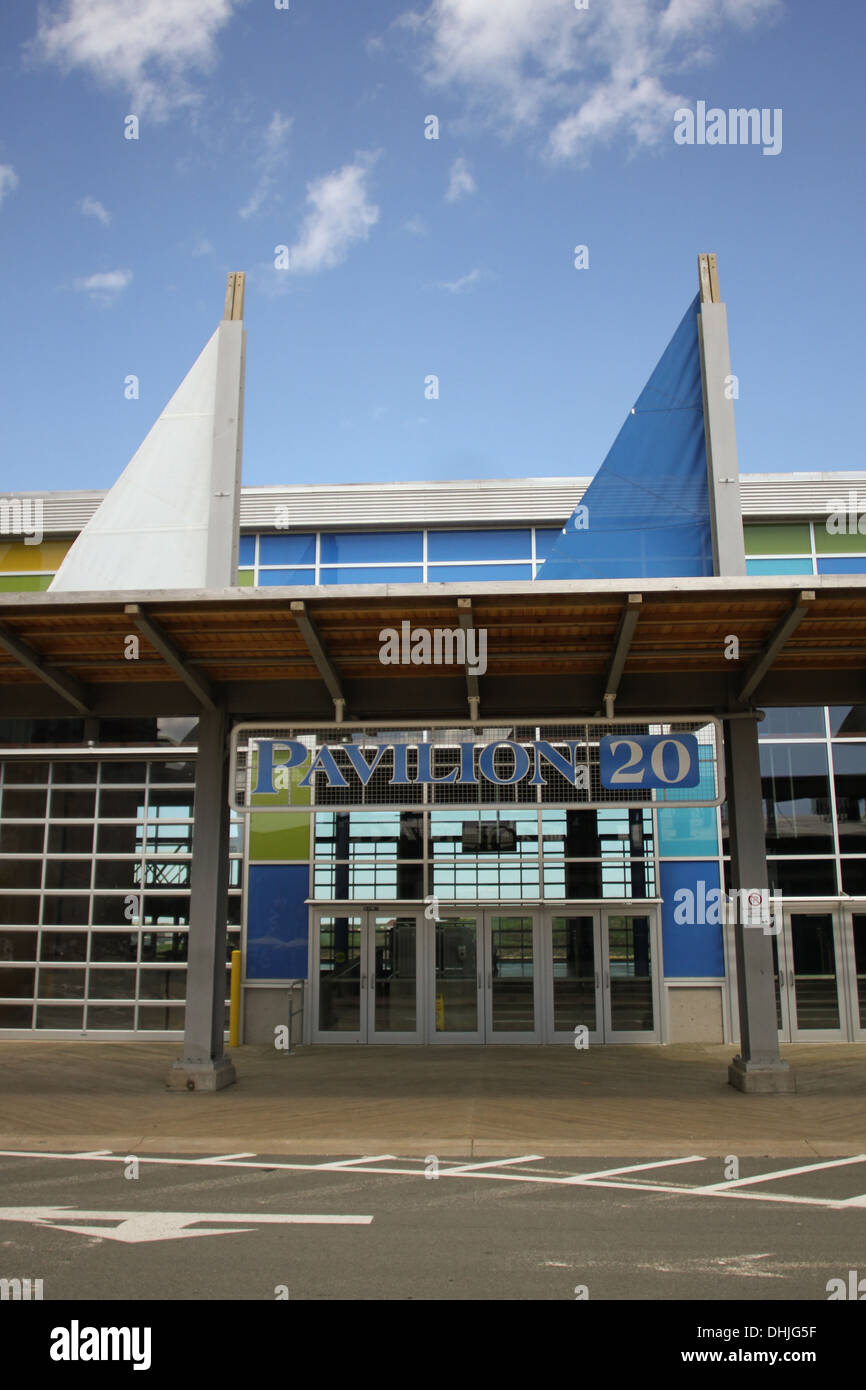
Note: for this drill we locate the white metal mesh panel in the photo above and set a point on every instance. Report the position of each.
(393, 779)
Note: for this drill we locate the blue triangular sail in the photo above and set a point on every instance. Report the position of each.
(648, 505)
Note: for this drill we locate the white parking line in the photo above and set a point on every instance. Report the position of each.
(492, 1172)
(493, 1163)
(217, 1158)
(783, 1173)
(634, 1168)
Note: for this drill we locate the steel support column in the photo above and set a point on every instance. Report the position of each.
(758, 1067)
(204, 1067)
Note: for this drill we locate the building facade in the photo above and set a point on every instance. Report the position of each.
(523, 923)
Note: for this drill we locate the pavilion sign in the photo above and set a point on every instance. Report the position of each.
(592, 764)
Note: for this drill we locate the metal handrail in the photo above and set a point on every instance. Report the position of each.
(293, 1012)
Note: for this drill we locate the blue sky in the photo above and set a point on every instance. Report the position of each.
(305, 127)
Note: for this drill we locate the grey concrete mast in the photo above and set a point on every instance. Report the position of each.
(204, 1066)
(758, 1065)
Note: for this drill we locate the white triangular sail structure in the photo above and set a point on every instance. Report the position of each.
(171, 519)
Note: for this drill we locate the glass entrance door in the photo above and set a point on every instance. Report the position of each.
(457, 1005)
(601, 976)
(856, 971)
(628, 978)
(368, 983)
(806, 958)
(485, 978)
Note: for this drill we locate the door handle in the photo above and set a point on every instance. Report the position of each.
(781, 979)
(606, 980)
(363, 981)
(490, 979)
(596, 979)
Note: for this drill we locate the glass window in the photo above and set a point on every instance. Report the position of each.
(61, 984)
(20, 873)
(16, 1015)
(274, 579)
(114, 946)
(117, 873)
(59, 1016)
(161, 1019)
(123, 772)
(796, 788)
(840, 542)
(478, 574)
(154, 983)
(17, 945)
(792, 539)
(247, 550)
(849, 763)
(376, 548)
(20, 773)
(170, 805)
(74, 772)
(803, 878)
(121, 805)
(376, 574)
(66, 910)
(854, 877)
(779, 567)
(111, 984)
(68, 873)
(27, 805)
(110, 1017)
(843, 564)
(545, 541)
(70, 839)
(19, 909)
(805, 721)
(119, 839)
(288, 548)
(164, 946)
(73, 805)
(479, 545)
(21, 839)
(172, 771)
(63, 945)
(847, 720)
(16, 982)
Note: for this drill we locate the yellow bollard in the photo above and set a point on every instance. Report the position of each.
(235, 1001)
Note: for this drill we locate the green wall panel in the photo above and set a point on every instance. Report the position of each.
(280, 835)
(778, 540)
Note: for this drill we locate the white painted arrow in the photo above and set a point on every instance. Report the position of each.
(136, 1227)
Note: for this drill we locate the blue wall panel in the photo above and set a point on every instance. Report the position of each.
(277, 934)
(690, 949)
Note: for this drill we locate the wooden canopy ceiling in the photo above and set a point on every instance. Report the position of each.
(552, 649)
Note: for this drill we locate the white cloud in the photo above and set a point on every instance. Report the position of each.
(104, 287)
(460, 181)
(270, 159)
(202, 247)
(8, 180)
(416, 226)
(580, 77)
(91, 207)
(464, 283)
(148, 48)
(340, 215)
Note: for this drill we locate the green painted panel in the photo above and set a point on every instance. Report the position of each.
(282, 835)
(847, 542)
(24, 583)
(778, 540)
(246, 579)
(300, 795)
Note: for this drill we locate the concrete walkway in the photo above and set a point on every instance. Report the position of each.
(452, 1101)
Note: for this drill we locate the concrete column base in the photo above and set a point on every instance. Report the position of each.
(770, 1077)
(201, 1076)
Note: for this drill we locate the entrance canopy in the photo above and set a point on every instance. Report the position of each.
(553, 649)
